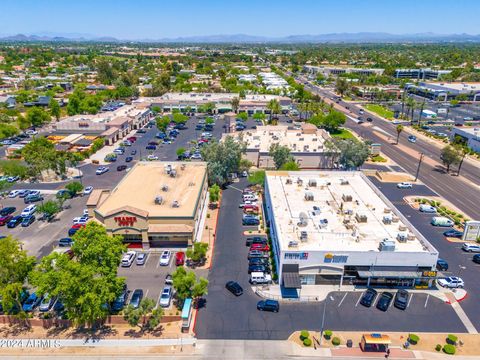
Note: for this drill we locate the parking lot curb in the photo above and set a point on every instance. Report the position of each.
(215, 232)
(457, 300)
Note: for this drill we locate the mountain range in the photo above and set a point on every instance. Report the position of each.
(360, 37)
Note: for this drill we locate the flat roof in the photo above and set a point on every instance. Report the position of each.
(145, 181)
(352, 207)
(465, 87)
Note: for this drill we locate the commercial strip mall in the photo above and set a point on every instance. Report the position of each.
(337, 228)
(157, 204)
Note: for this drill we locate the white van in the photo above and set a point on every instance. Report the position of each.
(427, 208)
(442, 221)
(260, 278)
(249, 197)
(29, 210)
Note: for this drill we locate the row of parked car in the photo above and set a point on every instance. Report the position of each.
(140, 258)
(32, 302)
(25, 218)
(400, 299)
(250, 207)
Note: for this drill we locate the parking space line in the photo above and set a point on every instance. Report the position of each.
(426, 301)
(392, 302)
(235, 188)
(359, 298)
(146, 294)
(410, 299)
(341, 301)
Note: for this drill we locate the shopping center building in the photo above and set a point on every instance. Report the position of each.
(157, 204)
(334, 227)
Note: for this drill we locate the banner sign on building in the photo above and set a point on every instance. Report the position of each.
(296, 256)
(472, 231)
(125, 220)
(337, 259)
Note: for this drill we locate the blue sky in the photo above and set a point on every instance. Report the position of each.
(172, 18)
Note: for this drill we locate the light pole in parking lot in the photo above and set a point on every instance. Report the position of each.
(419, 164)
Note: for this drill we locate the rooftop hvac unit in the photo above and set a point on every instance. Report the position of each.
(387, 211)
(387, 245)
(191, 183)
(164, 187)
(309, 196)
(361, 218)
(293, 243)
(312, 182)
(303, 236)
(387, 219)
(303, 219)
(402, 237)
(175, 204)
(289, 181)
(168, 168)
(158, 200)
(299, 182)
(173, 173)
(346, 198)
(402, 227)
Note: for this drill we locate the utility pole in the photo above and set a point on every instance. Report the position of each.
(418, 167)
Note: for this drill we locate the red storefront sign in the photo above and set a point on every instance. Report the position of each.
(125, 220)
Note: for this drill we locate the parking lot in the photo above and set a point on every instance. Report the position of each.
(228, 317)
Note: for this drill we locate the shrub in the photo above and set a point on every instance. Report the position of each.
(452, 339)
(449, 349)
(307, 342)
(304, 335)
(438, 347)
(327, 334)
(336, 341)
(413, 339)
(208, 216)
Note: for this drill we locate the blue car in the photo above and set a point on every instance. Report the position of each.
(151, 147)
(31, 303)
(16, 220)
(442, 265)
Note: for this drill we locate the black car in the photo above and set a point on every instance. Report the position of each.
(199, 127)
(121, 167)
(141, 131)
(250, 222)
(476, 258)
(384, 301)
(258, 261)
(27, 220)
(257, 254)
(369, 119)
(136, 298)
(234, 288)
(7, 210)
(453, 233)
(401, 299)
(258, 268)
(268, 305)
(368, 297)
(151, 147)
(65, 242)
(256, 240)
(442, 265)
(128, 159)
(14, 222)
(133, 152)
(121, 299)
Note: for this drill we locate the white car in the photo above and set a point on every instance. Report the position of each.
(396, 122)
(82, 220)
(13, 193)
(165, 258)
(88, 190)
(141, 259)
(31, 132)
(128, 258)
(427, 209)
(471, 247)
(101, 170)
(243, 204)
(404, 185)
(451, 282)
(166, 296)
(196, 156)
(152, 157)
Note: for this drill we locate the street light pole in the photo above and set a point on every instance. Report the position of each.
(419, 164)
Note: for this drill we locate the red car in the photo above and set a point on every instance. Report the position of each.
(260, 247)
(179, 258)
(5, 219)
(132, 139)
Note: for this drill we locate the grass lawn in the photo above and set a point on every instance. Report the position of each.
(380, 110)
(342, 134)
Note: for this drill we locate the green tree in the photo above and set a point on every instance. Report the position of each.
(399, 130)
(88, 281)
(341, 86)
(147, 316)
(40, 155)
(333, 120)
(198, 252)
(187, 286)
(274, 107)
(352, 153)
(15, 267)
(280, 154)
(257, 177)
(209, 120)
(74, 187)
(4, 186)
(23, 123)
(37, 116)
(49, 208)
(259, 116)
(214, 193)
(450, 156)
(242, 116)
(290, 166)
(156, 109)
(162, 122)
(54, 109)
(179, 118)
(180, 152)
(7, 130)
(14, 168)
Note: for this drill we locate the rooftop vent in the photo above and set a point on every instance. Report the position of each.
(159, 200)
(387, 245)
(164, 187)
(402, 237)
(312, 182)
(346, 198)
(175, 204)
(361, 218)
(309, 196)
(303, 236)
(344, 182)
(293, 243)
(289, 181)
(173, 173)
(303, 219)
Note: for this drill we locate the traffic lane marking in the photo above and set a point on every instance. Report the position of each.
(409, 300)
(359, 298)
(341, 301)
(426, 301)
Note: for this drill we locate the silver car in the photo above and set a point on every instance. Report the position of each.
(166, 296)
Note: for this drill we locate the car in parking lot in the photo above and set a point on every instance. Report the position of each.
(141, 259)
(384, 301)
(5, 219)
(127, 258)
(101, 170)
(151, 147)
(31, 303)
(166, 296)
(471, 247)
(65, 242)
(453, 233)
(412, 138)
(169, 279)
(234, 288)
(249, 221)
(427, 209)
(133, 152)
(442, 265)
(152, 157)
(268, 305)
(258, 268)
(28, 220)
(47, 303)
(452, 282)
(179, 258)
(13, 194)
(7, 210)
(30, 198)
(368, 297)
(401, 299)
(23, 193)
(88, 190)
(261, 247)
(137, 296)
(16, 220)
(128, 159)
(256, 240)
(257, 254)
(75, 228)
(476, 258)
(259, 261)
(121, 167)
(405, 185)
(120, 300)
(165, 258)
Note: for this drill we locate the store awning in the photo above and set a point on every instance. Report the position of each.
(390, 274)
(291, 280)
(170, 228)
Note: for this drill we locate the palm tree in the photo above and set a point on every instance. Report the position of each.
(399, 131)
(410, 102)
(235, 104)
(274, 107)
